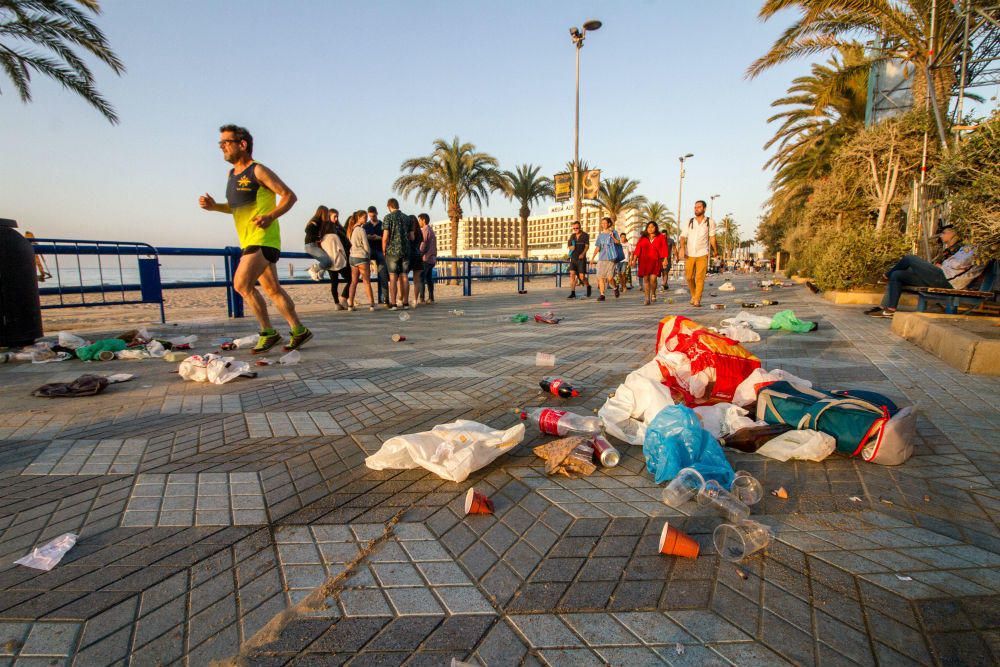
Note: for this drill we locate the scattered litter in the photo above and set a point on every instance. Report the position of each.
(175, 355)
(133, 353)
(604, 452)
(560, 422)
(727, 287)
(457, 312)
(674, 542)
(742, 575)
(746, 488)
(548, 318)
(404, 316)
(244, 341)
(802, 444)
(679, 648)
(451, 451)
(122, 377)
(558, 387)
(49, 356)
(477, 503)
(768, 302)
(635, 403)
(398, 338)
(263, 362)
(85, 385)
(749, 319)
(780, 493)
(212, 368)
(752, 438)
(156, 349)
(734, 542)
(787, 321)
(927, 499)
(903, 577)
(719, 306)
(545, 359)
(48, 555)
(71, 341)
(886, 501)
(91, 352)
(568, 456)
(106, 355)
(294, 357)
(519, 318)
(855, 499)
(676, 440)
(741, 333)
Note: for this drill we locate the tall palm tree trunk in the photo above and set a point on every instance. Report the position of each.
(454, 215)
(524, 238)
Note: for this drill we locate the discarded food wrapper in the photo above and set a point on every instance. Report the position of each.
(547, 318)
(291, 358)
(780, 493)
(676, 543)
(48, 555)
(477, 503)
(567, 456)
(545, 359)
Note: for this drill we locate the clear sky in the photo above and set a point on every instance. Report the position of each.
(338, 94)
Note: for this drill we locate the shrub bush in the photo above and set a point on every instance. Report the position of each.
(853, 255)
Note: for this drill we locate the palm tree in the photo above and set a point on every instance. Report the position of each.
(901, 28)
(583, 168)
(618, 196)
(730, 235)
(54, 27)
(527, 187)
(654, 211)
(457, 173)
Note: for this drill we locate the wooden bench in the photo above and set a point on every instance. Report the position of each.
(953, 299)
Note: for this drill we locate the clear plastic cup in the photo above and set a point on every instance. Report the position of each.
(717, 498)
(683, 487)
(746, 488)
(734, 542)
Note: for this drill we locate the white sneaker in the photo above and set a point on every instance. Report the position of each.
(315, 273)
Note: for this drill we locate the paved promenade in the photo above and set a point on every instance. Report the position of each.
(238, 523)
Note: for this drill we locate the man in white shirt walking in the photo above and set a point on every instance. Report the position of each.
(697, 238)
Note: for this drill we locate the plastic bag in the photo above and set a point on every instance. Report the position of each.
(155, 348)
(746, 392)
(722, 419)
(675, 439)
(90, 352)
(451, 451)
(212, 368)
(48, 555)
(751, 320)
(805, 445)
(183, 340)
(786, 320)
(637, 400)
(71, 341)
(727, 287)
(741, 333)
(133, 353)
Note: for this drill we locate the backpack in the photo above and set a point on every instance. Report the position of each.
(863, 423)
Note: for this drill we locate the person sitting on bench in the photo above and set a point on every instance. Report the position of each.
(952, 268)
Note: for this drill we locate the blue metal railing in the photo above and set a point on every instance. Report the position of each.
(150, 285)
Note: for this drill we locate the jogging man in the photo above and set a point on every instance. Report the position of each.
(578, 243)
(251, 197)
(697, 236)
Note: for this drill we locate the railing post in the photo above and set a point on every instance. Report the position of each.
(522, 267)
(558, 274)
(467, 281)
(234, 302)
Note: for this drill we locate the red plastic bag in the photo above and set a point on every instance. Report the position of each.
(699, 365)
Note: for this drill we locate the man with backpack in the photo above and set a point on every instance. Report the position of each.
(697, 238)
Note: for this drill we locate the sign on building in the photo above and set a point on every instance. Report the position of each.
(563, 186)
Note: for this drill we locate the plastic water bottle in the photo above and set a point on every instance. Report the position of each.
(561, 422)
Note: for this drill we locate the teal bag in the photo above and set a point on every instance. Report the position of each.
(854, 421)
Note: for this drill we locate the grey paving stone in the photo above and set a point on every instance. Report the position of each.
(463, 600)
(600, 630)
(544, 631)
(414, 601)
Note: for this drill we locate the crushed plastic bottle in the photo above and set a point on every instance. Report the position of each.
(561, 422)
(291, 358)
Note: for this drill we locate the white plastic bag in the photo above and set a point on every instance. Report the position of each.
(246, 341)
(727, 287)
(71, 341)
(638, 399)
(451, 451)
(746, 392)
(741, 333)
(133, 353)
(754, 321)
(805, 445)
(48, 555)
(212, 368)
(183, 340)
(721, 419)
(155, 348)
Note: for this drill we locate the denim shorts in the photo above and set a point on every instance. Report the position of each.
(397, 265)
(359, 261)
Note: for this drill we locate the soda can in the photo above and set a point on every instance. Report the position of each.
(605, 452)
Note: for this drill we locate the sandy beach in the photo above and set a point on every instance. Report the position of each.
(210, 303)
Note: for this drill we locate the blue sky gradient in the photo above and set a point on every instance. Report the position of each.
(338, 94)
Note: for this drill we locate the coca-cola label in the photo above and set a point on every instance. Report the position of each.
(554, 387)
(548, 421)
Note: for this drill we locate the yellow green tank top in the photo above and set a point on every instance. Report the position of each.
(247, 199)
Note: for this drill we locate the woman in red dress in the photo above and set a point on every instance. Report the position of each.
(647, 258)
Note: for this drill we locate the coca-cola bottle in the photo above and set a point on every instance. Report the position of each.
(558, 387)
(561, 422)
(752, 438)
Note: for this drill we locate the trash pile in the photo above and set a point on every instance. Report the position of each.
(132, 344)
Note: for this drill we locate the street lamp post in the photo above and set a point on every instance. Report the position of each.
(711, 216)
(578, 36)
(680, 189)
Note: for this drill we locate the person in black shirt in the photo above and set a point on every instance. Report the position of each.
(373, 228)
(342, 274)
(578, 243)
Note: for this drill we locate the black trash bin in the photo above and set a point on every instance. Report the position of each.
(20, 309)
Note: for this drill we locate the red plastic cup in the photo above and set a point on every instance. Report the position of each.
(675, 543)
(477, 503)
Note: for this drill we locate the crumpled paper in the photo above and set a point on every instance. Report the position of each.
(568, 456)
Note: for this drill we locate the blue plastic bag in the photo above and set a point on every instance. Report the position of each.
(675, 439)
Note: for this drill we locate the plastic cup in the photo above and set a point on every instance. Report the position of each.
(683, 487)
(746, 488)
(734, 542)
(545, 359)
(675, 543)
(477, 503)
(717, 498)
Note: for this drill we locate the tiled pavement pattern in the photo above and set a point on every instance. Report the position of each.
(240, 521)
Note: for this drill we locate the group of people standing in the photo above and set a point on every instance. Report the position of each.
(652, 256)
(399, 245)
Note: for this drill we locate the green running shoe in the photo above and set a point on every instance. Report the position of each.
(297, 341)
(265, 343)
